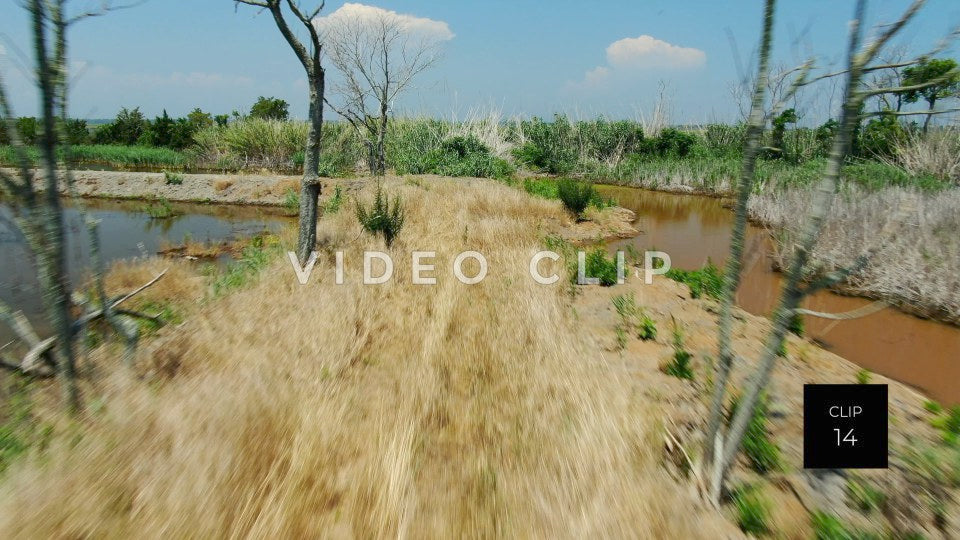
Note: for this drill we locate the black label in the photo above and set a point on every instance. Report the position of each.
(845, 426)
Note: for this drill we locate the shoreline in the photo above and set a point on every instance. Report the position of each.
(272, 189)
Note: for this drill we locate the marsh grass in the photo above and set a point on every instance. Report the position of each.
(291, 410)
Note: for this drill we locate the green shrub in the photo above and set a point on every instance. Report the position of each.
(270, 108)
(253, 259)
(949, 424)
(549, 146)
(172, 179)
(762, 453)
(796, 325)
(863, 376)
(383, 217)
(671, 143)
(575, 195)
(705, 281)
(633, 318)
(864, 496)
(932, 406)
(291, 202)
(753, 510)
(456, 156)
(679, 365)
(881, 136)
(829, 527)
(161, 209)
(334, 203)
(598, 265)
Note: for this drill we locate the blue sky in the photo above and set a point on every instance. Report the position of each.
(520, 57)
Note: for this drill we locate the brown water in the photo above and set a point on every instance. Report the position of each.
(125, 232)
(919, 352)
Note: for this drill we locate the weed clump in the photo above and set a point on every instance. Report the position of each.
(172, 178)
(575, 195)
(705, 281)
(334, 203)
(679, 365)
(597, 265)
(632, 318)
(753, 510)
(864, 496)
(762, 453)
(863, 376)
(291, 202)
(384, 218)
(161, 209)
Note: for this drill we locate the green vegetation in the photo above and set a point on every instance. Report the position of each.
(253, 259)
(753, 509)
(829, 527)
(333, 204)
(762, 453)
(705, 281)
(161, 209)
(172, 179)
(679, 365)
(864, 496)
(269, 108)
(455, 156)
(575, 195)
(863, 376)
(932, 407)
(384, 218)
(598, 265)
(291, 202)
(948, 422)
(633, 319)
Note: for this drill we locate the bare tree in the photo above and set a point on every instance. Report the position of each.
(36, 206)
(377, 53)
(310, 59)
(801, 277)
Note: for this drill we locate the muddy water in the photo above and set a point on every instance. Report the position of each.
(919, 352)
(125, 232)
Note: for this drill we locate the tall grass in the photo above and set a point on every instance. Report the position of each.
(392, 410)
(111, 155)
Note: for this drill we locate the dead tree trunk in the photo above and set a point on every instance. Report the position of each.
(751, 151)
(310, 59)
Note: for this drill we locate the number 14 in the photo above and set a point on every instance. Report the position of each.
(846, 438)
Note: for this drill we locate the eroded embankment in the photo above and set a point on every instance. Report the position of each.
(443, 410)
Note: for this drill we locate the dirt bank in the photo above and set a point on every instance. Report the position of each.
(795, 492)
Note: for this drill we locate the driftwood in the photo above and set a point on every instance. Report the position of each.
(39, 361)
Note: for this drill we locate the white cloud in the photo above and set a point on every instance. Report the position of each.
(633, 55)
(412, 24)
(646, 52)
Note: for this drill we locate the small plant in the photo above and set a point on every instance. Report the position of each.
(863, 376)
(634, 318)
(762, 453)
(932, 407)
(866, 497)
(575, 195)
(254, 258)
(383, 217)
(796, 325)
(334, 203)
(948, 422)
(291, 202)
(621, 337)
(162, 209)
(597, 265)
(172, 179)
(705, 281)
(679, 366)
(753, 510)
(829, 527)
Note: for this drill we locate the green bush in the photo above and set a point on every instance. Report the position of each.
(172, 179)
(753, 510)
(864, 496)
(761, 452)
(548, 146)
(949, 424)
(28, 129)
(633, 318)
(456, 156)
(270, 108)
(334, 203)
(161, 209)
(254, 258)
(705, 281)
(671, 143)
(679, 365)
(863, 376)
(384, 218)
(598, 265)
(575, 195)
(291, 202)
(829, 527)
(881, 136)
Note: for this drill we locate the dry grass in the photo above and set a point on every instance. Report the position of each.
(370, 411)
(936, 154)
(916, 267)
(223, 184)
